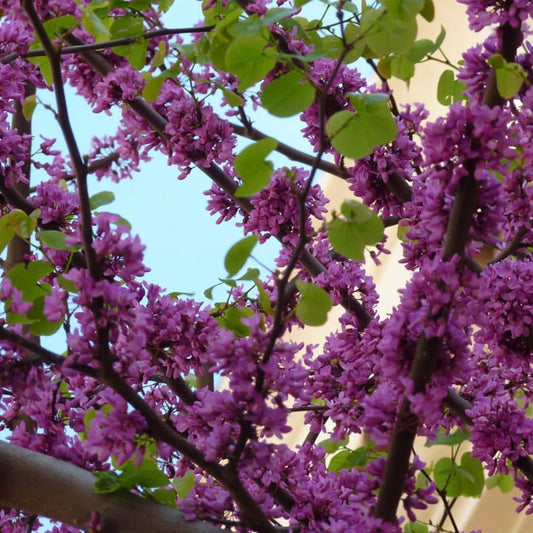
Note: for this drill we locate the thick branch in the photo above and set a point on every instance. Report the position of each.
(43, 485)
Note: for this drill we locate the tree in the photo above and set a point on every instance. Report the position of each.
(123, 428)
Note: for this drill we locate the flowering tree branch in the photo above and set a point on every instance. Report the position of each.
(26, 480)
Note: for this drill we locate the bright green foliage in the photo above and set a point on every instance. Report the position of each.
(238, 254)
(465, 479)
(403, 9)
(355, 40)
(183, 485)
(146, 475)
(101, 198)
(415, 527)
(450, 439)
(53, 239)
(231, 319)
(252, 168)
(331, 446)
(29, 106)
(402, 65)
(313, 305)
(288, 95)
(6, 232)
(359, 227)
(386, 33)
(504, 482)
(348, 459)
(27, 279)
(509, 76)
(449, 90)
(356, 134)
(22, 224)
(428, 11)
(246, 57)
(95, 25)
(130, 26)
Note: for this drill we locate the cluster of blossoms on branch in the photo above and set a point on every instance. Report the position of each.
(135, 382)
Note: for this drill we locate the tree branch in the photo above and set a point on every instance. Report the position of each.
(44, 485)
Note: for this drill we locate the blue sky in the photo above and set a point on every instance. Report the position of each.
(185, 249)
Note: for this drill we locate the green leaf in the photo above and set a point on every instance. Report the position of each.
(46, 69)
(449, 90)
(466, 479)
(355, 40)
(509, 76)
(428, 11)
(56, 27)
(29, 106)
(95, 26)
(331, 446)
(233, 99)
(415, 527)
(402, 67)
(403, 9)
(106, 483)
(21, 223)
(504, 482)
(313, 305)
(147, 474)
(231, 319)
(246, 58)
(360, 227)
(158, 58)
(348, 459)
(238, 254)
(183, 485)
(6, 232)
(67, 284)
(252, 168)
(356, 134)
(53, 239)
(25, 278)
(288, 95)
(152, 87)
(452, 439)
(100, 199)
(164, 496)
(385, 33)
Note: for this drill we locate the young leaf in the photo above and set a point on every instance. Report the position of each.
(356, 134)
(288, 95)
(451, 439)
(360, 227)
(183, 485)
(466, 479)
(6, 232)
(504, 482)
(449, 90)
(415, 527)
(252, 168)
(231, 320)
(29, 106)
(331, 446)
(238, 254)
(100, 199)
(53, 239)
(313, 305)
(385, 33)
(428, 11)
(21, 223)
(509, 76)
(246, 58)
